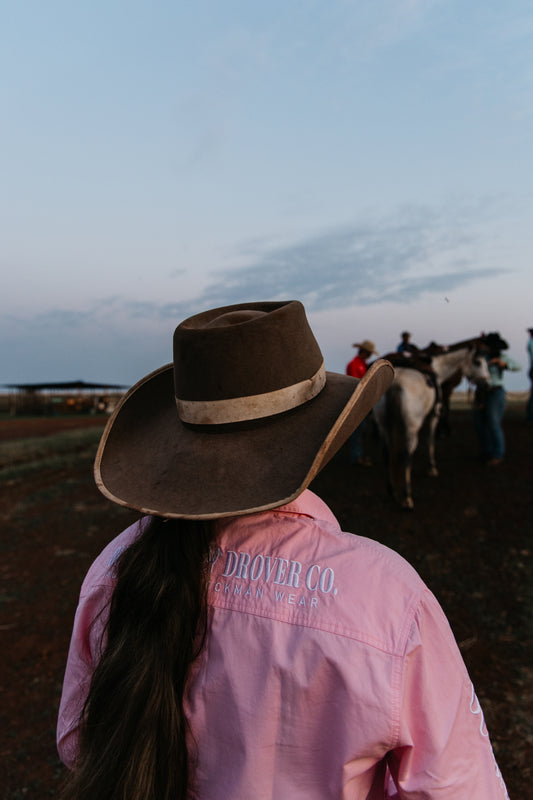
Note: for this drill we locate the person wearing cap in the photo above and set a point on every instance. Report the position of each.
(356, 369)
(490, 402)
(234, 642)
(529, 405)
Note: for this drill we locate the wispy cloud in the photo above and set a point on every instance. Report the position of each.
(418, 251)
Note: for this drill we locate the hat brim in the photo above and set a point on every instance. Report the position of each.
(363, 346)
(150, 461)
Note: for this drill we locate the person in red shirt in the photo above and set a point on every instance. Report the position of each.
(356, 369)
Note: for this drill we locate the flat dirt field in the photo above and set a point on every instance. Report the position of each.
(470, 537)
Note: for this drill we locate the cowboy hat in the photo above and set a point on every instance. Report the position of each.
(368, 345)
(242, 421)
(494, 341)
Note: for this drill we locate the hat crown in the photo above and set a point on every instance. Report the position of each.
(244, 350)
(494, 341)
(235, 317)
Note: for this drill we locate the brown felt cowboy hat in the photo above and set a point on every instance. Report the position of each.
(242, 421)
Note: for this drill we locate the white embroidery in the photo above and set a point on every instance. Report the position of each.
(475, 708)
(281, 571)
(248, 577)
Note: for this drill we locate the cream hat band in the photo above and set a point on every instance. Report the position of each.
(240, 409)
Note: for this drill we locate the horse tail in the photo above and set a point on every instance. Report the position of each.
(397, 455)
(394, 420)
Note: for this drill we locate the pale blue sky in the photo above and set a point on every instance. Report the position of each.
(372, 158)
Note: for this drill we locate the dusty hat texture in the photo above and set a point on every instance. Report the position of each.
(241, 421)
(367, 344)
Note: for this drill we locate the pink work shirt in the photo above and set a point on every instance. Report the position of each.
(329, 670)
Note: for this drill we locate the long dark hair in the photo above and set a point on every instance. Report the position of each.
(133, 731)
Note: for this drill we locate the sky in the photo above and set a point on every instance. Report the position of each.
(371, 158)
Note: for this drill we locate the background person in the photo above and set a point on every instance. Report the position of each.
(356, 369)
(490, 402)
(406, 346)
(235, 642)
(529, 406)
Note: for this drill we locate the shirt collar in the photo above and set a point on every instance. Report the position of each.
(310, 505)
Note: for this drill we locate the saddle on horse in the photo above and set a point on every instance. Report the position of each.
(419, 361)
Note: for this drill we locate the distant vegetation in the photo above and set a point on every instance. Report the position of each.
(24, 456)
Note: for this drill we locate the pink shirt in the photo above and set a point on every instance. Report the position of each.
(329, 671)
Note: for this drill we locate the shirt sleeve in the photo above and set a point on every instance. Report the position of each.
(85, 643)
(443, 748)
(512, 365)
(88, 638)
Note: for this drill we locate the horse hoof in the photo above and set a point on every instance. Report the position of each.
(408, 504)
(433, 472)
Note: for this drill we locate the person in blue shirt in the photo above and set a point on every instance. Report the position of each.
(406, 346)
(490, 402)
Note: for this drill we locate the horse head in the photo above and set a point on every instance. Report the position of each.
(476, 369)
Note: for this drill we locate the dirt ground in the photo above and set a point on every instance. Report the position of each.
(469, 537)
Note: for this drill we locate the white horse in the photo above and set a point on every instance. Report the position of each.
(414, 399)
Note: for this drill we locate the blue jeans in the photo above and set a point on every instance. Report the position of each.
(488, 424)
(529, 406)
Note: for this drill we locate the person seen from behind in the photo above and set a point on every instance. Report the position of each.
(234, 642)
(529, 405)
(356, 369)
(490, 401)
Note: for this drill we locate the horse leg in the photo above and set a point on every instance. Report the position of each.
(394, 469)
(399, 444)
(378, 413)
(387, 462)
(399, 473)
(433, 423)
(407, 501)
(393, 478)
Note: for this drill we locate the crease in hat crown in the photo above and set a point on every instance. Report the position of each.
(220, 381)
